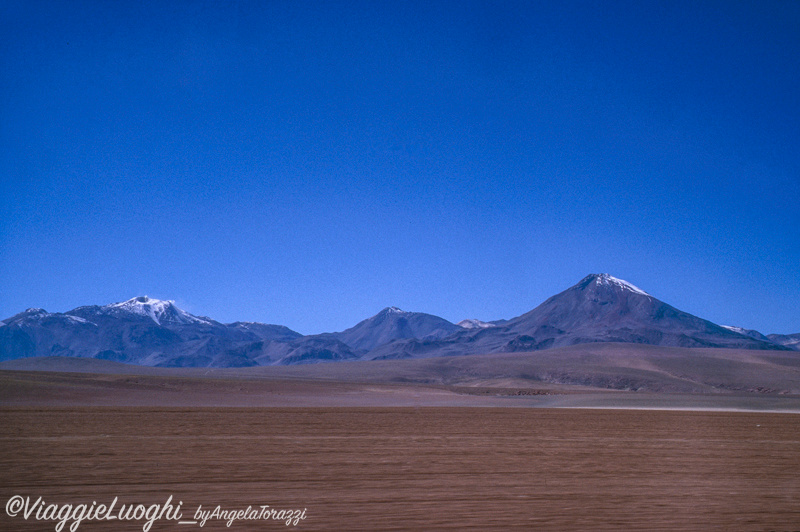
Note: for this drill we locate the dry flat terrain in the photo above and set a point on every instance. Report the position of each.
(413, 468)
(587, 375)
(427, 444)
(616, 366)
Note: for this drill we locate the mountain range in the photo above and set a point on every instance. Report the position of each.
(151, 332)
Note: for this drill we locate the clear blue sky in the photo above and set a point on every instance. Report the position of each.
(309, 163)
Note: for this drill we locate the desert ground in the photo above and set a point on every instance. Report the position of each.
(438, 444)
(587, 375)
(425, 468)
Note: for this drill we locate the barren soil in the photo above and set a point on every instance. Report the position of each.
(707, 442)
(414, 468)
(610, 366)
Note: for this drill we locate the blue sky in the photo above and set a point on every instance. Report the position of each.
(309, 163)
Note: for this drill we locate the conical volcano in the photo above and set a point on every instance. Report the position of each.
(602, 308)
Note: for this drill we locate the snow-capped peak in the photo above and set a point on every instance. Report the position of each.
(32, 314)
(746, 332)
(606, 279)
(157, 310)
(395, 310)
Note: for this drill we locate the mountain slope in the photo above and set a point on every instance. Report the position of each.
(392, 324)
(600, 308)
(140, 330)
(474, 324)
(161, 312)
(792, 341)
(748, 332)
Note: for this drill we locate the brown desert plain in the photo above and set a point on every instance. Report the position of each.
(611, 437)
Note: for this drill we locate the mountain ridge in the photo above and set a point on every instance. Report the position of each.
(392, 323)
(146, 331)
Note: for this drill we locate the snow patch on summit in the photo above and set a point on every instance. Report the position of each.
(734, 329)
(78, 319)
(156, 309)
(606, 279)
(746, 332)
(474, 324)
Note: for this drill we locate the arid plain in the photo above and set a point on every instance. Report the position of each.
(395, 447)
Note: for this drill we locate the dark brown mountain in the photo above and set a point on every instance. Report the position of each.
(393, 324)
(145, 331)
(141, 331)
(600, 308)
(791, 341)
